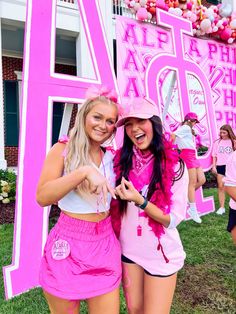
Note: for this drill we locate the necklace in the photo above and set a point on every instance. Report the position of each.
(100, 198)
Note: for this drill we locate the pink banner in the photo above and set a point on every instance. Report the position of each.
(182, 59)
(177, 72)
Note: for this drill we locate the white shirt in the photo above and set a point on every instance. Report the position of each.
(230, 176)
(184, 137)
(88, 203)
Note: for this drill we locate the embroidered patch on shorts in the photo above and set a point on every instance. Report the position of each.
(60, 249)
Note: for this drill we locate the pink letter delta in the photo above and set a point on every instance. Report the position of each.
(41, 86)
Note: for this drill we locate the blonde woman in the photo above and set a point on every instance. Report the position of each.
(82, 255)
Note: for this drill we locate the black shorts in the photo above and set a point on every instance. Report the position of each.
(232, 219)
(124, 259)
(221, 170)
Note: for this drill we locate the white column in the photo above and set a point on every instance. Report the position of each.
(83, 58)
(65, 123)
(106, 10)
(3, 162)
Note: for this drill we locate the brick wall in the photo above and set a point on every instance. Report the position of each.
(9, 65)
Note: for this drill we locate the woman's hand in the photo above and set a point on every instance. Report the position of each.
(126, 191)
(97, 183)
(213, 170)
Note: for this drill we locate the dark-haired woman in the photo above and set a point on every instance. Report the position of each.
(152, 188)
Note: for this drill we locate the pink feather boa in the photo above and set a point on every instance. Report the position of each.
(162, 199)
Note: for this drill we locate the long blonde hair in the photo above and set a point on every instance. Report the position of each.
(77, 151)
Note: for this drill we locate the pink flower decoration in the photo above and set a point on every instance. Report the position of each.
(94, 92)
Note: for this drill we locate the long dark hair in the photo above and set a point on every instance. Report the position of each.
(157, 148)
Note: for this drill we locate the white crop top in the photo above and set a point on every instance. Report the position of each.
(90, 203)
(184, 137)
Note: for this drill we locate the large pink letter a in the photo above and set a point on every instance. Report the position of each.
(41, 86)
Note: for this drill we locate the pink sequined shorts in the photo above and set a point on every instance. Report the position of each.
(189, 157)
(81, 259)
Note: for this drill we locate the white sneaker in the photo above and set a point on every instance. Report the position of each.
(220, 211)
(194, 215)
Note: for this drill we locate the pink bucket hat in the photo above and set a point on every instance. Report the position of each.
(138, 107)
(191, 116)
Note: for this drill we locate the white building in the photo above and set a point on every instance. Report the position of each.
(71, 53)
(72, 57)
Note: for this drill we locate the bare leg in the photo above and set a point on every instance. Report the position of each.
(201, 179)
(158, 294)
(133, 276)
(192, 184)
(193, 177)
(108, 303)
(221, 192)
(61, 306)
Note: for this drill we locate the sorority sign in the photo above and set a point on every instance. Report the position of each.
(179, 55)
(41, 87)
(158, 62)
(163, 62)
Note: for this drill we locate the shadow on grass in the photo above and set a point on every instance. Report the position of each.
(203, 286)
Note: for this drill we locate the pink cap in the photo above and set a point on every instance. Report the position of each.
(138, 107)
(191, 116)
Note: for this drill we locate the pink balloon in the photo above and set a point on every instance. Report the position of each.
(189, 6)
(226, 33)
(142, 14)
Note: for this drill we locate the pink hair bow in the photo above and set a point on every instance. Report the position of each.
(94, 92)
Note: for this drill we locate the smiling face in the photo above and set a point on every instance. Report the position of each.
(224, 135)
(140, 132)
(100, 122)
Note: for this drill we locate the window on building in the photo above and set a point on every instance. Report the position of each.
(11, 103)
(58, 109)
(11, 109)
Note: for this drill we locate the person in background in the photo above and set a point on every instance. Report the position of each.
(152, 187)
(222, 149)
(183, 137)
(230, 188)
(81, 257)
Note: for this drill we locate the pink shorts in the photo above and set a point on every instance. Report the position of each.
(189, 157)
(81, 259)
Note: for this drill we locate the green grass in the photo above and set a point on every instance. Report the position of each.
(206, 285)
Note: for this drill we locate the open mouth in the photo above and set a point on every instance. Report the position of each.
(140, 137)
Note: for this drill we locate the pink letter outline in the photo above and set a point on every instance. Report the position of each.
(41, 86)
